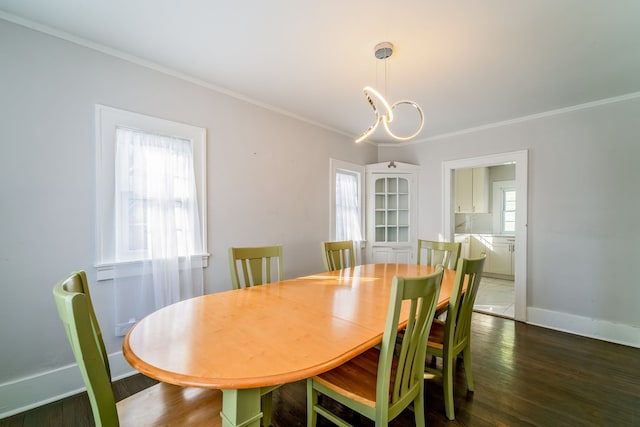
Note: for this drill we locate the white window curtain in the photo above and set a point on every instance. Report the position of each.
(157, 226)
(347, 207)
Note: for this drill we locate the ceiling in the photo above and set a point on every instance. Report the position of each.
(468, 63)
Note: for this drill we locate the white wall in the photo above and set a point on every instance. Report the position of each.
(583, 228)
(268, 183)
(501, 173)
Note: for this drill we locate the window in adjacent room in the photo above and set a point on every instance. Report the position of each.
(508, 210)
(504, 207)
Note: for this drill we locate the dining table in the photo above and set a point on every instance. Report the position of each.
(241, 341)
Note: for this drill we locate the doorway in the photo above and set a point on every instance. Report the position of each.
(520, 160)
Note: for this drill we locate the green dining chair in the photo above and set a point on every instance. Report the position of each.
(381, 382)
(452, 337)
(159, 405)
(443, 253)
(338, 255)
(255, 264)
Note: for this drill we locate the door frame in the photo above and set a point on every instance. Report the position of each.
(520, 159)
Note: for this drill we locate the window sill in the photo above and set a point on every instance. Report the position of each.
(106, 271)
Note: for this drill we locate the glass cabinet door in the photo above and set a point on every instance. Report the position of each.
(392, 209)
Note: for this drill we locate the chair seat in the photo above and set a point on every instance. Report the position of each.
(356, 379)
(436, 334)
(170, 405)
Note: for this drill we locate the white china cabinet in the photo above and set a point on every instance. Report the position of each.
(392, 205)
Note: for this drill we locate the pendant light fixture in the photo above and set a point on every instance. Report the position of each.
(378, 102)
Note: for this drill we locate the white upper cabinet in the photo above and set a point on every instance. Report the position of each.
(391, 212)
(463, 190)
(471, 190)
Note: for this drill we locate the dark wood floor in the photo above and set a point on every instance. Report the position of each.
(524, 376)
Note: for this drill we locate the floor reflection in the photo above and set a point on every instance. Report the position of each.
(495, 296)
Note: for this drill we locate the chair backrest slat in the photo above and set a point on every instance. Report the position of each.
(255, 264)
(338, 255)
(458, 324)
(443, 253)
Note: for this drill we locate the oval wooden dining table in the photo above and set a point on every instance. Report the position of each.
(242, 340)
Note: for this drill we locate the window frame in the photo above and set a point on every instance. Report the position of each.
(107, 119)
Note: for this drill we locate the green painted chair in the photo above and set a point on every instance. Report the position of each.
(338, 255)
(438, 253)
(255, 265)
(160, 405)
(451, 338)
(381, 383)
(442, 253)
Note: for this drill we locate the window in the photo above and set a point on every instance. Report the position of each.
(508, 210)
(504, 207)
(155, 189)
(150, 181)
(346, 201)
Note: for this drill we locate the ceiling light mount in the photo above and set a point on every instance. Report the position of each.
(383, 51)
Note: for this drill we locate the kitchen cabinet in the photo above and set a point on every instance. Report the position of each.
(500, 257)
(391, 212)
(465, 244)
(500, 251)
(471, 190)
(477, 246)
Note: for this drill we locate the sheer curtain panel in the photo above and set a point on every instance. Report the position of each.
(347, 207)
(157, 226)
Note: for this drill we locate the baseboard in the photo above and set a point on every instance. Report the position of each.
(37, 390)
(593, 328)
(498, 276)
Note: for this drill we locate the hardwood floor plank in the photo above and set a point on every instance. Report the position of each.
(76, 410)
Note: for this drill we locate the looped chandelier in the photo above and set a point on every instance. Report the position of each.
(383, 51)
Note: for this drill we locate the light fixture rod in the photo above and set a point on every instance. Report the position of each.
(384, 50)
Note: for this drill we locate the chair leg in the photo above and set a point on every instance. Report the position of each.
(382, 422)
(447, 385)
(418, 408)
(467, 368)
(312, 401)
(266, 401)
